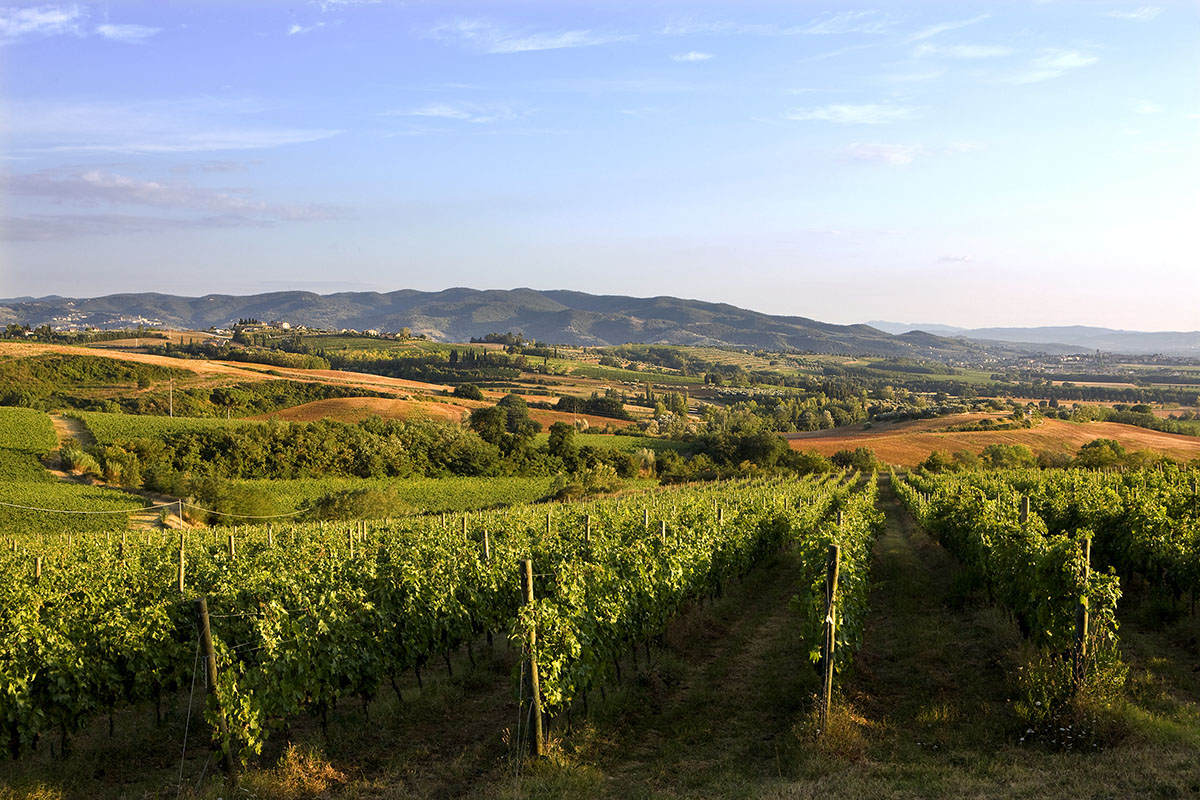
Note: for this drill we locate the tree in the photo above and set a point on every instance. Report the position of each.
(562, 444)
(1004, 456)
(1100, 454)
(860, 458)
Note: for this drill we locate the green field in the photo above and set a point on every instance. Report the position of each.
(412, 495)
(25, 484)
(109, 427)
(26, 430)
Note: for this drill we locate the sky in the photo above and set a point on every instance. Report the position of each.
(973, 164)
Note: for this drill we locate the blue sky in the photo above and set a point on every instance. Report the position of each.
(1011, 163)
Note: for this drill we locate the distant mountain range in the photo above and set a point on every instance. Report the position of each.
(1179, 343)
(560, 317)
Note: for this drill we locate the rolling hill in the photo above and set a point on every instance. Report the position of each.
(561, 317)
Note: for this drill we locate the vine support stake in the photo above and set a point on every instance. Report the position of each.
(232, 548)
(37, 569)
(487, 547)
(228, 762)
(532, 686)
(1024, 510)
(829, 638)
(1079, 651)
(181, 562)
(587, 529)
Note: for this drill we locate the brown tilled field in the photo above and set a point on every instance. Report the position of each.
(909, 443)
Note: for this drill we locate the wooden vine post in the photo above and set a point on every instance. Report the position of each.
(532, 688)
(1079, 651)
(1024, 510)
(829, 638)
(228, 762)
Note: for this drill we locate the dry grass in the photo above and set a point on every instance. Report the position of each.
(355, 409)
(909, 443)
(301, 772)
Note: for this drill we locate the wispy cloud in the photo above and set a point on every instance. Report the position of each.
(692, 55)
(902, 155)
(171, 126)
(953, 259)
(851, 22)
(92, 187)
(485, 36)
(1143, 14)
(58, 227)
(178, 205)
(49, 20)
(130, 34)
(202, 141)
(1147, 108)
(942, 27)
(869, 114)
(1053, 63)
(464, 112)
(339, 5)
(963, 51)
(895, 155)
(297, 29)
(871, 21)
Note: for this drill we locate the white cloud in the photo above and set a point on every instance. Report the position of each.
(62, 20)
(1053, 63)
(895, 155)
(692, 55)
(1148, 108)
(298, 29)
(934, 30)
(964, 51)
(1143, 14)
(48, 20)
(130, 34)
(954, 259)
(488, 37)
(869, 114)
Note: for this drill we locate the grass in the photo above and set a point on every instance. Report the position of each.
(110, 427)
(415, 495)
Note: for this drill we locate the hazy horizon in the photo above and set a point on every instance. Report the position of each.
(959, 163)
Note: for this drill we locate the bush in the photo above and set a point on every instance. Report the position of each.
(860, 458)
(468, 391)
(359, 504)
